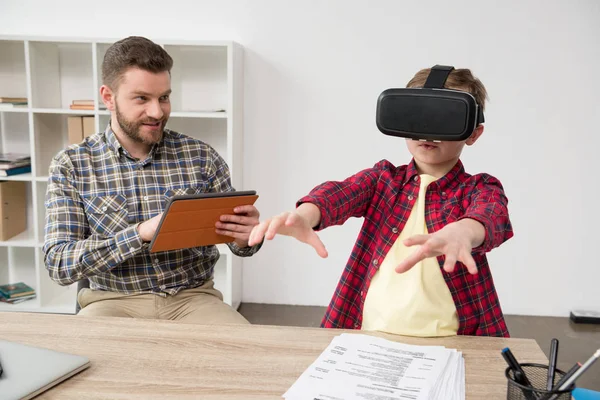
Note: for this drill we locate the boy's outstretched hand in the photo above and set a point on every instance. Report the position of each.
(455, 241)
(293, 224)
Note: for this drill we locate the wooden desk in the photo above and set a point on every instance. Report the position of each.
(142, 359)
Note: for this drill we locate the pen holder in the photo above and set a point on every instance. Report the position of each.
(538, 376)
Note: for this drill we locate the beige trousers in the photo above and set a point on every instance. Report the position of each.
(201, 305)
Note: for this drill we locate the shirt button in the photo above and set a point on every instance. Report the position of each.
(410, 197)
(416, 178)
(104, 208)
(156, 261)
(132, 249)
(356, 325)
(146, 198)
(395, 230)
(443, 194)
(162, 287)
(362, 293)
(375, 262)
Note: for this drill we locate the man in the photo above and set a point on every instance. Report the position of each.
(106, 195)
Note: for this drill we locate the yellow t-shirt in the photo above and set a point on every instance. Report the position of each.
(417, 302)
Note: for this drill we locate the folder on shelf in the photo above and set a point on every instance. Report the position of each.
(79, 128)
(13, 209)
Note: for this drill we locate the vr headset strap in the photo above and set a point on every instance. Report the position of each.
(437, 79)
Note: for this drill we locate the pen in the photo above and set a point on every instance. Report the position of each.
(512, 362)
(552, 364)
(567, 383)
(562, 380)
(518, 372)
(580, 371)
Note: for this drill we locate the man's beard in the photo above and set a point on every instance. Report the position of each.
(132, 128)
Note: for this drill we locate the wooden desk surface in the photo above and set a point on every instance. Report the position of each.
(145, 359)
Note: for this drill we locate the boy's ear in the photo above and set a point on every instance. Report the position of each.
(475, 135)
(108, 97)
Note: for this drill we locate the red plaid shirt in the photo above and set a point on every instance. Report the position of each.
(384, 195)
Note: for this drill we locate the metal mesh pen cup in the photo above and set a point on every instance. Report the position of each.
(537, 375)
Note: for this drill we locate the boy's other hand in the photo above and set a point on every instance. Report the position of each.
(289, 224)
(455, 241)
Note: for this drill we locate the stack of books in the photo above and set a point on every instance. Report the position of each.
(15, 293)
(14, 164)
(82, 105)
(11, 102)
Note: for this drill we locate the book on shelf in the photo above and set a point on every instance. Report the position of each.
(12, 291)
(15, 171)
(14, 157)
(17, 300)
(13, 100)
(6, 106)
(82, 105)
(17, 164)
(14, 164)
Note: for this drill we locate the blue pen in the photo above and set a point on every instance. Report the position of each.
(512, 362)
(518, 372)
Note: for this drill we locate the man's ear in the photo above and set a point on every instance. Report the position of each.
(475, 135)
(108, 97)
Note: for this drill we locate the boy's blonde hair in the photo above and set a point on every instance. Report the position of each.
(459, 79)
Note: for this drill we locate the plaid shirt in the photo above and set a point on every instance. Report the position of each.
(98, 193)
(384, 195)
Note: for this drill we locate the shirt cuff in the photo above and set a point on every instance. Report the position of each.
(486, 245)
(129, 242)
(244, 251)
(322, 205)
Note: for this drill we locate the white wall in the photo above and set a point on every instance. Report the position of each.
(313, 72)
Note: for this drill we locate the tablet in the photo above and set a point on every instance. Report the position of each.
(189, 220)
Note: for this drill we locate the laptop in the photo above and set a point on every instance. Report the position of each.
(29, 371)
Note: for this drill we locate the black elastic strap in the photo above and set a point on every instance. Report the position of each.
(437, 77)
(480, 118)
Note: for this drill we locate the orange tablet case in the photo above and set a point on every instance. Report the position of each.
(189, 220)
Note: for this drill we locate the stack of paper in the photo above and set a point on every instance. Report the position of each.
(356, 366)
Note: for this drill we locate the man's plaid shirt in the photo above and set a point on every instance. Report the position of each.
(98, 193)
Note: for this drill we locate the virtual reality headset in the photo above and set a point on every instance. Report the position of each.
(429, 113)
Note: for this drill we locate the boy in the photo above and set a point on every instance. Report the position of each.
(419, 266)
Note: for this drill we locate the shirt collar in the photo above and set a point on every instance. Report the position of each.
(443, 182)
(115, 145)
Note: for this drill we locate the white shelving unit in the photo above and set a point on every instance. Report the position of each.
(207, 103)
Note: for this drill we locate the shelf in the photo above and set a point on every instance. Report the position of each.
(62, 111)
(198, 114)
(23, 109)
(25, 239)
(20, 178)
(52, 72)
